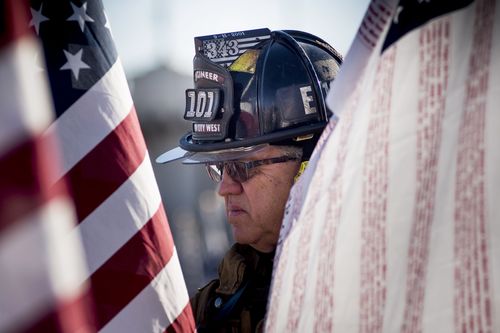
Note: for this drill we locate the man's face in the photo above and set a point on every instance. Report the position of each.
(254, 208)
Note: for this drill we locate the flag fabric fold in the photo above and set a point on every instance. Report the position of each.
(394, 225)
(133, 274)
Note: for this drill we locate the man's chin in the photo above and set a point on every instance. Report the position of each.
(240, 236)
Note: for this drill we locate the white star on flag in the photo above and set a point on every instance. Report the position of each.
(106, 25)
(399, 9)
(74, 62)
(80, 15)
(37, 18)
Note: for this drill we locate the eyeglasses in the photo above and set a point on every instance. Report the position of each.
(241, 171)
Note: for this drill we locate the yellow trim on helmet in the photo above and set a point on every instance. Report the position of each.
(246, 62)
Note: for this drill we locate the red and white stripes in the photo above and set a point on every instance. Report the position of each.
(84, 240)
(41, 264)
(373, 265)
(473, 301)
(125, 233)
(432, 91)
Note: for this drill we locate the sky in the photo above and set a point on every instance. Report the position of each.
(149, 33)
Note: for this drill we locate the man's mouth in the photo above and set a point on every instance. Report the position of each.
(234, 210)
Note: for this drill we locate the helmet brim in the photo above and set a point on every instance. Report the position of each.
(188, 157)
(173, 155)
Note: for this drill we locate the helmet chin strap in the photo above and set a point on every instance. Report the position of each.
(302, 168)
(303, 137)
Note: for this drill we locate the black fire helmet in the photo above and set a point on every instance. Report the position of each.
(256, 87)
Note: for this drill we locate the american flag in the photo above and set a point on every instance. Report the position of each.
(394, 226)
(42, 272)
(132, 267)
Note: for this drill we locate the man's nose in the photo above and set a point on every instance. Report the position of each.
(229, 186)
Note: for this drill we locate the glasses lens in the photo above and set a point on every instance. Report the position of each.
(242, 171)
(237, 171)
(214, 172)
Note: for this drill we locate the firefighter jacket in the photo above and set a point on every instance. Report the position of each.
(237, 300)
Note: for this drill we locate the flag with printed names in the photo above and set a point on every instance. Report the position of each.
(394, 227)
(133, 275)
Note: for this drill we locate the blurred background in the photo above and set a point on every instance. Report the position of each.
(155, 41)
